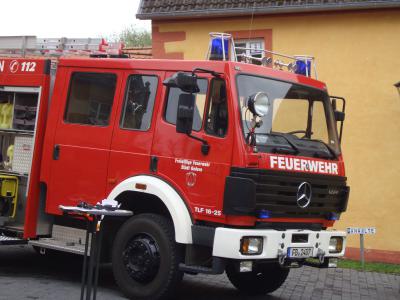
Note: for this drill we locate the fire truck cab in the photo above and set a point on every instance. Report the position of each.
(226, 166)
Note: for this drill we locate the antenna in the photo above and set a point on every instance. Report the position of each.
(251, 20)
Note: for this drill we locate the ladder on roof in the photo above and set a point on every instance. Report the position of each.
(31, 45)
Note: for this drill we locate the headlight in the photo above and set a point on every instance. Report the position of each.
(336, 244)
(258, 104)
(251, 245)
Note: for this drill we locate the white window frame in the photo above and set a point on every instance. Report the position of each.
(252, 43)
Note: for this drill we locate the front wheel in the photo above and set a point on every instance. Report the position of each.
(146, 258)
(264, 279)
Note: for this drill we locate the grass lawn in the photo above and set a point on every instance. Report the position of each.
(369, 266)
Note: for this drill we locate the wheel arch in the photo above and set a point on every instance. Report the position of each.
(164, 192)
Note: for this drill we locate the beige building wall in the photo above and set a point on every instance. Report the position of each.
(358, 56)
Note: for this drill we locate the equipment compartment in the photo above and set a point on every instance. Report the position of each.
(18, 112)
(25, 107)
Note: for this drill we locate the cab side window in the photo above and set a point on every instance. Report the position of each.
(217, 112)
(90, 98)
(172, 104)
(139, 102)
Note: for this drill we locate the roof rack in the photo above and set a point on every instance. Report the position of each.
(222, 47)
(31, 45)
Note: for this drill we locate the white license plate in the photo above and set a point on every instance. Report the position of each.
(299, 252)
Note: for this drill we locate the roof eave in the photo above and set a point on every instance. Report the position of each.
(266, 11)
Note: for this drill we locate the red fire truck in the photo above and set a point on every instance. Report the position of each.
(227, 166)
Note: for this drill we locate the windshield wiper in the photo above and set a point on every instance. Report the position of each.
(330, 149)
(284, 150)
(295, 148)
(317, 154)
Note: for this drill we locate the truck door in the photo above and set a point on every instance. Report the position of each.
(134, 126)
(83, 136)
(199, 177)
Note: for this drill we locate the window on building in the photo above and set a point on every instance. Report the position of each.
(90, 98)
(172, 104)
(139, 102)
(217, 112)
(250, 44)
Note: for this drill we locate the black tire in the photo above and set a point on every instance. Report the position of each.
(264, 279)
(145, 258)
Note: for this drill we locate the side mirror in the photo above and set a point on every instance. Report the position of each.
(185, 113)
(339, 114)
(186, 82)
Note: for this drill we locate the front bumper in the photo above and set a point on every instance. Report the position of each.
(275, 243)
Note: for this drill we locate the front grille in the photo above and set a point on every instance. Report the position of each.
(276, 192)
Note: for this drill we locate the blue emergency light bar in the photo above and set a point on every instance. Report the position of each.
(219, 45)
(222, 47)
(303, 67)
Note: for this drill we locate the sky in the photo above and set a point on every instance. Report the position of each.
(71, 18)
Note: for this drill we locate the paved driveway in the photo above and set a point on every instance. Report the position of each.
(26, 275)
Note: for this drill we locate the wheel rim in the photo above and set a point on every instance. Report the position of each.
(141, 258)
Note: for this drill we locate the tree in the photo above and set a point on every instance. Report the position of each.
(132, 37)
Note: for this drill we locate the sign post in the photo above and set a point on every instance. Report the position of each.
(362, 251)
(361, 232)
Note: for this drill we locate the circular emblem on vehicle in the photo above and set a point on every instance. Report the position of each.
(304, 194)
(14, 66)
(191, 179)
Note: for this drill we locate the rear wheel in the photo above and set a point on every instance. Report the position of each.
(146, 258)
(264, 279)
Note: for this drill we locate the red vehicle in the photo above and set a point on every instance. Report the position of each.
(226, 166)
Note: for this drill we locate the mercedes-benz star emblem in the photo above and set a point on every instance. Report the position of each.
(304, 194)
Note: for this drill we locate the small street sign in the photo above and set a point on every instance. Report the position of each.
(358, 230)
(361, 231)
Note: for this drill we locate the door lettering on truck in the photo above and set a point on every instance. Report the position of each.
(207, 211)
(303, 165)
(28, 66)
(192, 165)
(14, 66)
(2, 66)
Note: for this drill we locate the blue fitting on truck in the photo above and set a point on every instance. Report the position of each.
(264, 214)
(333, 216)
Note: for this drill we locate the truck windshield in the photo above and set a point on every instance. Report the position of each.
(299, 121)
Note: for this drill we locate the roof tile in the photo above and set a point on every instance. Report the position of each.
(156, 9)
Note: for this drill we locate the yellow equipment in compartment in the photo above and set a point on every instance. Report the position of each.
(8, 194)
(6, 115)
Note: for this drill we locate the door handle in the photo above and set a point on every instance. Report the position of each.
(56, 152)
(153, 163)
